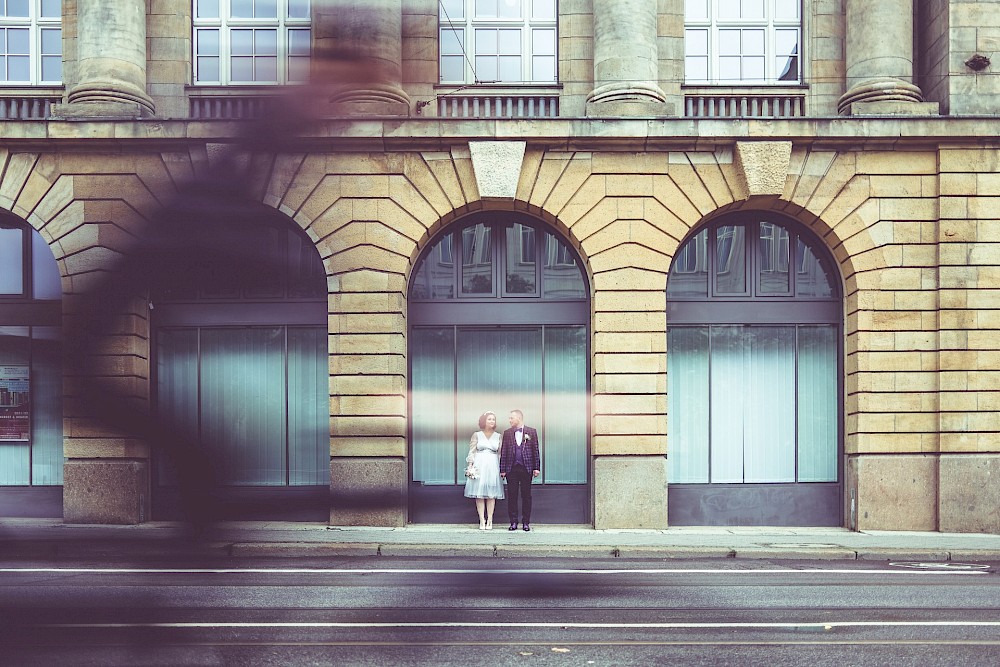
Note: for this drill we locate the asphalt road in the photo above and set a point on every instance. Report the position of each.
(500, 612)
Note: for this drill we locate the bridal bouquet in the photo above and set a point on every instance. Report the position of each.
(471, 471)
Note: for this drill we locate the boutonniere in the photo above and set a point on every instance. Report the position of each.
(527, 437)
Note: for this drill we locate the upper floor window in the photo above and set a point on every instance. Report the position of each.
(30, 42)
(251, 41)
(732, 42)
(494, 41)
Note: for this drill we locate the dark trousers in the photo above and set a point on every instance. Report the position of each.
(519, 484)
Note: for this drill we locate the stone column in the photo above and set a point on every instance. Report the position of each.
(626, 78)
(879, 48)
(358, 56)
(111, 61)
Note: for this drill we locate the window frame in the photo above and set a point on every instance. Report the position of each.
(713, 25)
(36, 24)
(463, 28)
(225, 24)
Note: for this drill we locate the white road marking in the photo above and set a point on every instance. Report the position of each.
(130, 570)
(822, 625)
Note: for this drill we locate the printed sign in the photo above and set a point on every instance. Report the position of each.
(14, 403)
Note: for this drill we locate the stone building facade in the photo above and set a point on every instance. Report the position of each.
(615, 153)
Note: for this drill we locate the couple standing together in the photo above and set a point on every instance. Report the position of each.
(493, 458)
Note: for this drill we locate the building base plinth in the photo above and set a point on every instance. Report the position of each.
(368, 491)
(892, 492)
(630, 492)
(105, 492)
(969, 495)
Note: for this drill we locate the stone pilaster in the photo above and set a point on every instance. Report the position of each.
(358, 56)
(625, 60)
(879, 49)
(111, 63)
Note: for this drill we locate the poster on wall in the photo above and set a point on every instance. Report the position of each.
(14, 404)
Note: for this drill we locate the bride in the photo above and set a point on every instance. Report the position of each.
(484, 483)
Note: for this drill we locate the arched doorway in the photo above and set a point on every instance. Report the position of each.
(241, 364)
(31, 420)
(754, 330)
(498, 313)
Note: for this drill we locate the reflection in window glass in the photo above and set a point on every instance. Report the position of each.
(812, 275)
(11, 261)
(773, 276)
(435, 279)
(562, 276)
(477, 260)
(689, 270)
(730, 259)
(520, 260)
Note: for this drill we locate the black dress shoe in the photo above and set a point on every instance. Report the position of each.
(526, 527)
(513, 526)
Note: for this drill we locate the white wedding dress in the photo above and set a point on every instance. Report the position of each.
(487, 461)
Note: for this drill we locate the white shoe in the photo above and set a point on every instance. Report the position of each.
(489, 525)
(482, 525)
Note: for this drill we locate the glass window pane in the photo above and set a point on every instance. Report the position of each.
(486, 68)
(46, 407)
(510, 9)
(242, 9)
(18, 68)
(688, 410)
(308, 406)
(728, 372)
(509, 42)
(241, 42)
(696, 10)
(51, 68)
(786, 42)
(486, 9)
(769, 441)
(435, 278)
(452, 42)
(689, 271)
(543, 42)
(729, 69)
(298, 69)
(266, 9)
(208, 42)
(561, 274)
(520, 260)
(543, 68)
(788, 69)
(17, 8)
(772, 248)
(208, 69)
(51, 9)
(298, 9)
(817, 404)
(730, 260)
(813, 276)
(728, 10)
(753, 42)
(696, 69)
(696, 42)
(432, 387)
(729, 42)
(564, 449)
(452, 68)
(45, 280)
(753, 9)
(753, 69)
(207, 9)
(452, 9)
(543, 9)
(486, 42)
(510, 68)
(11, 259)
(52, 41)
(786, 10)
(241, 69)
(298, 42)
(265, 42)
(177, 387)
(477, 260)
(265, 69)
(18, 41)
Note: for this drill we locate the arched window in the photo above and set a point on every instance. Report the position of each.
(31, 439)
(753, 345)
(241, 363)
(498, 312)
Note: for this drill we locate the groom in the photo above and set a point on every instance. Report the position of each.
(519, 463)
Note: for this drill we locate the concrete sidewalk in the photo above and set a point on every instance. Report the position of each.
(52, 538)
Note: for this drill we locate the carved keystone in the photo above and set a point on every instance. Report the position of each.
(763, 165)
(497, 165)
